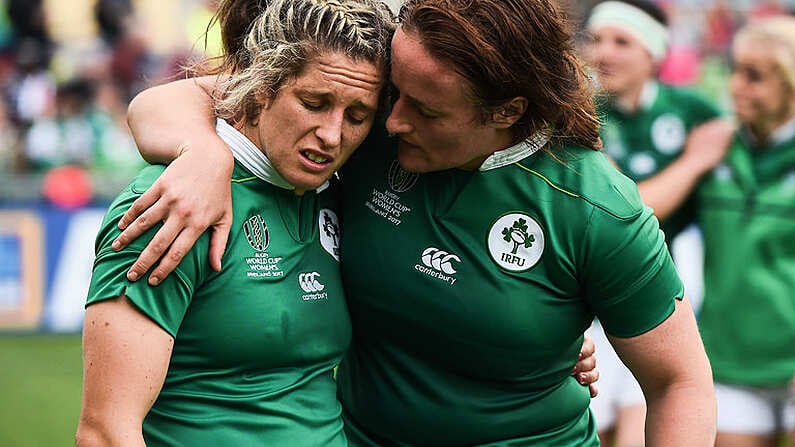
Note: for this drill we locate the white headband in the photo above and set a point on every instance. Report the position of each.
(651, 33)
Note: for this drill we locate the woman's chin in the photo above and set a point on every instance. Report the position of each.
(412, 160)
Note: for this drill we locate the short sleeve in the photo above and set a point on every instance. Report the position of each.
(629, 278)
(166, 303)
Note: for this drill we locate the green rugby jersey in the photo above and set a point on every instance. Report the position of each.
(747, 213)
(469, 293)
(255, 344)
(645, 141)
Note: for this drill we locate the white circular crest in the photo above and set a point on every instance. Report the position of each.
(330, 232)
(642, 164)
(722, 172)
(668, 134)
(516, 242)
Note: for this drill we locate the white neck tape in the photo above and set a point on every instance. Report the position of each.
(651, 33)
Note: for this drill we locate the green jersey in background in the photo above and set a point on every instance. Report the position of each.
(747, 212)
(645, 141)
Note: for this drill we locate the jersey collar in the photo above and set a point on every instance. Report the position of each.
(515, 153)
(251, 157)
(648, 95)
(784, 133)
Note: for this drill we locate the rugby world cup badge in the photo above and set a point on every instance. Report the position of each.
(516, 242)
(401, 180)
(256, 231)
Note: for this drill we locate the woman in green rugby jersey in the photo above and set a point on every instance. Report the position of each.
(745, 207)
(479, 242)
(246, 356)
(645, 124)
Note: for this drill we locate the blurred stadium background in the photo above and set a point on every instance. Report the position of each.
(68, 68)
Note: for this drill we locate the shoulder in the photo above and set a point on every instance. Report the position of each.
(688, 99)
(109, 230)
(586, 175)
(145, 178)
(137, 186)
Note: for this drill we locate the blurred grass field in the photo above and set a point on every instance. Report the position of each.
(40, 381)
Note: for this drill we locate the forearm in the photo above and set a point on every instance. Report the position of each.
(167, 119)
(682, 415)
(670, 188)
(706, 146)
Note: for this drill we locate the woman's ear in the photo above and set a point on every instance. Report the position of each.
(509, 113)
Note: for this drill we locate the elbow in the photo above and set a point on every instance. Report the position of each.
(135, 121)
(696, 383)
(90, 434)
(696, 394)
(99, 432)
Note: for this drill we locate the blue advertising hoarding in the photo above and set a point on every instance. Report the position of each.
(46, 255)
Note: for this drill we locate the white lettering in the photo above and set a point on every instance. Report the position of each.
(386, 204)
(434, 274)
(315, 296)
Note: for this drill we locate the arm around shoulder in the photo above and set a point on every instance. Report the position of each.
(166, 119)
(170, 121)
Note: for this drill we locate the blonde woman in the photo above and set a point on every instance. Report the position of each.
(245, 356)
(746, 210)
(744, 207)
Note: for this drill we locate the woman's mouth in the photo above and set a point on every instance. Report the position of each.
(315, 157)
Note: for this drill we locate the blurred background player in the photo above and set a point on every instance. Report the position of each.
(644, 128)
(745, 207)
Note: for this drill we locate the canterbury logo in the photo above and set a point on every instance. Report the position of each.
(439, 260)
(256, 232)
(309, 282)
(401, 180)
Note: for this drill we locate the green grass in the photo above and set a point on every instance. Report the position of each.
(40, 381)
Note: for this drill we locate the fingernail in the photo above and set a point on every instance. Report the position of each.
(574, 371)
(116, 245)
(579, 357)
(132, 276)
(154, 280)
(582, 378)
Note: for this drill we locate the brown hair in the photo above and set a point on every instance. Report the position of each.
(235, 18)
(510, 48)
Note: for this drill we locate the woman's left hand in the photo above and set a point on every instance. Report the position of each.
(585, 369)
